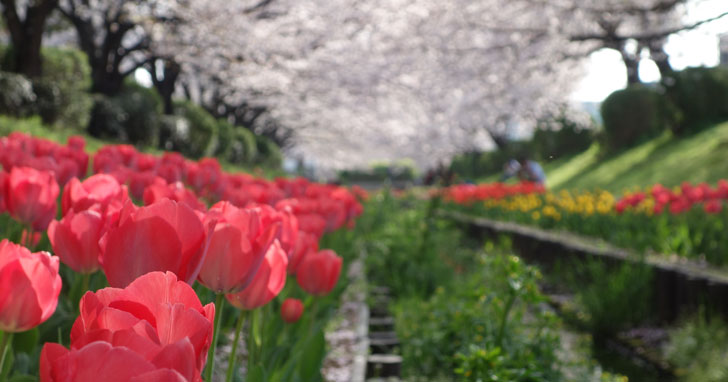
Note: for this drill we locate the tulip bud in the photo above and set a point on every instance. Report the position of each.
(319, 272)
(291, 310)
(268, 282)
(75, 239)
(30, 196)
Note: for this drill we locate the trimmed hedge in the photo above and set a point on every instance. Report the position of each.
(199, 139)
(133, 115)
(269, 154)
(701, 95)
(634, 114)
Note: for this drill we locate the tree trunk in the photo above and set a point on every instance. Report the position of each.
(166, 85)
(104, 82)
(658, 54)
(27, 35)
(632, 64)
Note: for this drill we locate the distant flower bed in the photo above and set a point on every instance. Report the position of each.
(689, 220)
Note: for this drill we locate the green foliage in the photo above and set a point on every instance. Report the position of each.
(9, 125)
(634, 114)
(477, 328)
(223, 138)
(268, 152)
(570, 137)
(16, 95)
(243, 146)
(402, 171)
(698, 349)
(133, 115)
(613, 299)
(410, 251)
(62, 90)
(61, 93)
(701, 95)
(198, 139)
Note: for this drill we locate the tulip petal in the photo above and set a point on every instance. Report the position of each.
(140, 247)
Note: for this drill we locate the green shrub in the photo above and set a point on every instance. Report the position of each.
(63, 89)
(613, 299)
(560, 136)
(698, 349)
(133, 115)
(268, 153)
(61, 93)
(634, 114)
(16, 95)
(243, 148)
(477, 328)
(701, 95)
(223, 138)
(199, 140)
(107, 119)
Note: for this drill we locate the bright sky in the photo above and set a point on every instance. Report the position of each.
(606, 72)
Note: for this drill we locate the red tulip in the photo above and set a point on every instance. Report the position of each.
(268, 281)
(291, 310)
(101, 361)
(75, 239)
(712, 206)
(30, 196)
(288, 233)
(99, 189)
(305, 244)
(237, 248)
(3, 176)
(29, 287)
(165, 236)
(154, 312)
(319, 272)
(176, 191)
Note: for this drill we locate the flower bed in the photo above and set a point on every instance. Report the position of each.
(689, 221)
(115, 273)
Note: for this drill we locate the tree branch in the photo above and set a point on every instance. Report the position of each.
(645, 36)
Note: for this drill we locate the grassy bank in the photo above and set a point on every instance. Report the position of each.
(668, 160)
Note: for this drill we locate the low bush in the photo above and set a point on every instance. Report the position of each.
(16, 95)
(63, 89)
(559, 136)
(243, 147)
(613, 299)
(634, 114)
(268, 152)
(698, 348)
(476, 328)
(61, 93)
(701, 95)
(199, 139)
(133, 116)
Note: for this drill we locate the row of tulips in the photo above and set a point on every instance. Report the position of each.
(470, 193)
(678, 200)
(150, 324)
(689, 221)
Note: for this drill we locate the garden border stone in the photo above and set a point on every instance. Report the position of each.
(680, 286)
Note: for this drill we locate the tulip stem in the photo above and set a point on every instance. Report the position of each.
(231, 360)
(219, 302)
(7, 339)
(251, 340)
(84, 283)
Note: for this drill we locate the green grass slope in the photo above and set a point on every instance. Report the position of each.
(668, 160)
